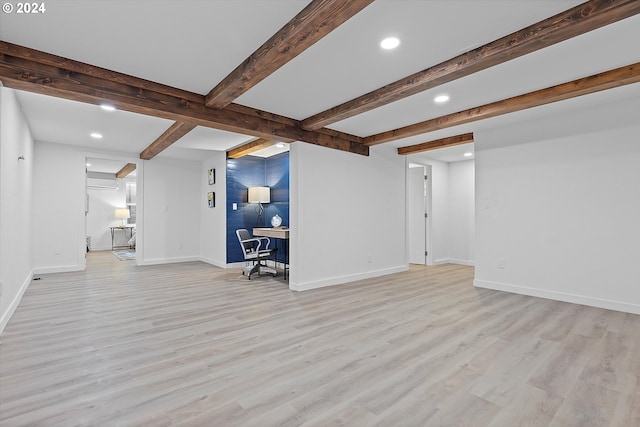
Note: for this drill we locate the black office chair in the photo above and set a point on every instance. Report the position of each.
(254, 251)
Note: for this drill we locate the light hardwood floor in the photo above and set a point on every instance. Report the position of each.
(191, 344)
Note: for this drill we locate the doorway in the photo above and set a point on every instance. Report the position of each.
(112, 189)
(419, 214)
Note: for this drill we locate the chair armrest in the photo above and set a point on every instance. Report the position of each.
(259, 241)
(268, 240)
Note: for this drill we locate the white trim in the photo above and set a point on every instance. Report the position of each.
(560, 296)
(169, 260)
(214, 262)
(6, 316)
(441, 261)
(462, 262)
(346, 279)
(58, 269)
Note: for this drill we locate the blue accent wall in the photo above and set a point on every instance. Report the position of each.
(248, 172)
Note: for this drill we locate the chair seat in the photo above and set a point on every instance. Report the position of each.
(254, 251)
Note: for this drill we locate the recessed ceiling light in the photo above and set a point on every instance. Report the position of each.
(390, 43)
(468, 154)
(280, 145)
(441, 99)
(107, 107)
(96, 135)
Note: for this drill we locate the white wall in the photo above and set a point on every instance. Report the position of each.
(213, 221)
(16, 191)
(452, 211)
(562, 212)
(102, 205)
(439, 211)
(347, 215)
(173, 199)
(462, 212)
(58, 208)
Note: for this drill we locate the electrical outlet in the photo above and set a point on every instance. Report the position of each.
(369, 259)
(180, 246)
(501, 263)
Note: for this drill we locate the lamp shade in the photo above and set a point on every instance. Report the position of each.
(259, 194)
(122, 213)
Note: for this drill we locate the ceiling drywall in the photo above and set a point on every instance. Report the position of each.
(193, 44)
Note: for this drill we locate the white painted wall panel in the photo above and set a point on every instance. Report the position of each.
(172, 201)
(562, 212)
(347, 215)
(16, 206)
(214, 220)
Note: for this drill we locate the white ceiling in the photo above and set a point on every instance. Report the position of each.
(193, 44)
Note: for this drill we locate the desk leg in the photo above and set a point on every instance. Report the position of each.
(286, 257)
(112, 231)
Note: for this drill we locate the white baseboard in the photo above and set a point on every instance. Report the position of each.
(214, 262)
(6, 316)
(560, 296)
(462, 262)
(169, 260)
(443, 261)
(346, 279)
(58, 269)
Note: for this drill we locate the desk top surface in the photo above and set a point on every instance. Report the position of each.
(278, 233)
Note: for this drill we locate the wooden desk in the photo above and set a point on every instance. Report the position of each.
(276, 233)
(281, 234)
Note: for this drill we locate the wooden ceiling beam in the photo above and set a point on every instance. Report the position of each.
(598, 82)
(563, 26)
(126, 170)
(72, 66)
(24, 69)
(250, 147)
(438, 143)
(249, 111)
(168, 137)
(315, 21)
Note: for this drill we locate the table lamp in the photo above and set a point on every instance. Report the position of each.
(123, 214)
(259, 195)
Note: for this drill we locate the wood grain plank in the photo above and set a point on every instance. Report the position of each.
(23, 72)
(249, 147)
(563, 26)
(449, 141)
(315, 21)
(126, 170)
(192, 344)
(168, 137)
(598, 82)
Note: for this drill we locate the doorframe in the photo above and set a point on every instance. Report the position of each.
(427, 199)
(139, 204)
(428, 210)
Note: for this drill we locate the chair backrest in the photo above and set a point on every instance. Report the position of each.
(244, 235)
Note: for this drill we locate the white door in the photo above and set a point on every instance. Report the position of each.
(416, 216)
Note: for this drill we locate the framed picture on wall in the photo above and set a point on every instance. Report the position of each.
(211, 175)
(211, 199)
